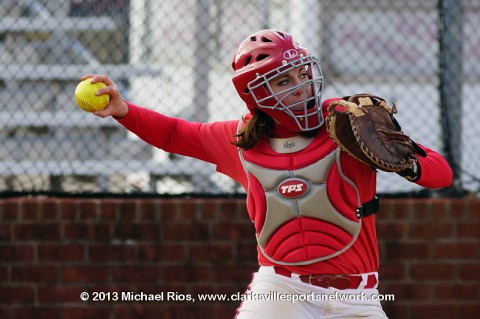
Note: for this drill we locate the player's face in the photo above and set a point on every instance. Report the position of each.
(289, 90)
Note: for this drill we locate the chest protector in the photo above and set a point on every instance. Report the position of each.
(295, 221)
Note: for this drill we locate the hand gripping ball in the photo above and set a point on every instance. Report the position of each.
(86, 98)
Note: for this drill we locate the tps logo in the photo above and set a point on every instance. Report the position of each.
(292, 188)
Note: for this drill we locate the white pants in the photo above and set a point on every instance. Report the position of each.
(273, 296)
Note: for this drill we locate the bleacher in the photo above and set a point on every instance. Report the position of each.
(42, 132)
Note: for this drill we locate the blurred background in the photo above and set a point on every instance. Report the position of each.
(174, 57)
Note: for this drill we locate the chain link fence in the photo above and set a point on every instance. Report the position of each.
(174, 57)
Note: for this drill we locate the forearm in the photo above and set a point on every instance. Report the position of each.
(152, 127)
(210, 142)
(435, 171)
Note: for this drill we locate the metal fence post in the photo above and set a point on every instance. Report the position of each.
(451, 82)
(202, 39)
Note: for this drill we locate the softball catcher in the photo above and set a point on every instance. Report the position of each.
(309, 169)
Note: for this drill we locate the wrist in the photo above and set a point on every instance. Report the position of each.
(412, 173)
(122, 112)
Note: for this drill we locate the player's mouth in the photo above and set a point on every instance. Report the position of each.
(301, 107)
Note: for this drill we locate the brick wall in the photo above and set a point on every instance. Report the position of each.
(53, 249)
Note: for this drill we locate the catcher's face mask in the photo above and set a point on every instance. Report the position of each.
(296, 114)
(267, 56)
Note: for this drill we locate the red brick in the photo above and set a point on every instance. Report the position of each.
(469, 311)
(386, 210)
(108, 209)
(468, 230)
(209, 211)
(68, 209)
(212, 252)
(52, 294)
(455, 250)
(469, 271)
(233, 273)
(391, 230)
(161, 252)
(405, 250)
(169, 211)
(460, 292)
(437, 311)
(473, 212)
(392, 271)
(242, 210)
(111, 252)
(189, 274)
(401, 209)
(134, 231)
(431, 230)
(225, 310)
(36, 312)
(17, 295)
(86, 274)
(18, 253)
(208, 245)
(457, 209)
(127, 211)
(440, 209)
(30, 209)
(425, 272)
(148, 210)
(141, 311)
(87, 312)
(182, 232)
(5, 232)
(11, 209)
(420, 210)
(236, 232)
(247, 251)
(187, 210)
(61, 252)
(229, 211)
(87, 232)
(34, 274)
(186, 310)
(89, 209)
(4, 276)
(396, 310)
(404, 292)
(37, 231)
(48, 209)
(136, 274)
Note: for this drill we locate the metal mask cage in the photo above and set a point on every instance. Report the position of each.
(274, 101)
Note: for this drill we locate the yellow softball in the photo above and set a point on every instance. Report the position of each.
(86, 98)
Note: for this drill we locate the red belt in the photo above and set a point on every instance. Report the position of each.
(335, 281)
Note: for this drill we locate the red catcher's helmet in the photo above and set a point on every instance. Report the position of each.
(269, 54)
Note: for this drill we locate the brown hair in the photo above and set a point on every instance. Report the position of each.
(259, 126)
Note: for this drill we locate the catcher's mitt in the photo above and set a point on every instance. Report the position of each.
(364, 127)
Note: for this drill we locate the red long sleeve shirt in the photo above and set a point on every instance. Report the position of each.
(212, 142)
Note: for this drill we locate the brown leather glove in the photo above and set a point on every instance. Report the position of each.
(364, 127)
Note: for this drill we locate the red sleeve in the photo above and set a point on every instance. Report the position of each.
(435, 170)
(209, 142)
